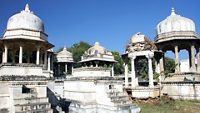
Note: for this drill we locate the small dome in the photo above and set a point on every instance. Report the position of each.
(139, 42)
(97, 52)
(175, 22)
(97, 49)
(25, 19)
(64, 56)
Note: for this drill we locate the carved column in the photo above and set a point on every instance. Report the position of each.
(113, 69)
(49, 62)
(20, 54)
(193, 67)
(177, 69)
(72, 69)
(38, 56)
(150, 70)
(161, 63)
(133, 79)
(126, 74)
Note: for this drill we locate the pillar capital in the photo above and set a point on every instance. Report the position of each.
(132, 57)
(149, 56)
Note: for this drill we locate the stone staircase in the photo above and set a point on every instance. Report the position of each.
(118, 98)
(32, 104)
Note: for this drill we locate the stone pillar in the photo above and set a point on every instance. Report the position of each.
(5, 54)
(72, 69)
(113, 69)
(126, 74)
(45, 59)
(198, 60)
(96, 64)
(161, 63)
(150, 70)
(177, 69)
(193, 67)
(38, 56)
(157, 65)
(133, 79)
(49, 62)
(66, 68)
(20, 54)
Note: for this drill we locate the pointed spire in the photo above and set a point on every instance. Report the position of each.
(173, 11)
(27, 8)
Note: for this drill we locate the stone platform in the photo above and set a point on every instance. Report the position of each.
(142, 92)
(182, 86)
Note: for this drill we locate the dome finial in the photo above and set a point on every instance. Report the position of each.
(27, 8)
(64, 48)
(173, 11)
(96, 43)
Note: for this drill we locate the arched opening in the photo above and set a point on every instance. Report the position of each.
(184, 61)
(141, 69)
(169, 63)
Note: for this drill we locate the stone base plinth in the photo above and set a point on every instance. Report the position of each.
(96, 108)
(145, 92)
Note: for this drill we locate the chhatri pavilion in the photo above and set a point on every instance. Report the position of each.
(25, 66)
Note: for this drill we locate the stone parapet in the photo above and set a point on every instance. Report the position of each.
(176, 35)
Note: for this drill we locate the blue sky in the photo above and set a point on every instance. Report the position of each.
(110, 22)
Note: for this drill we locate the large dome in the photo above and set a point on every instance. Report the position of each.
(175, 22)
(26, 20)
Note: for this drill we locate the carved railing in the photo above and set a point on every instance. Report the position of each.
(22, 78)
(21, 65)
(92, 69)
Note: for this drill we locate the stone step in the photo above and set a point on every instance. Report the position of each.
(119, 99)
(30, 100)
(124, 103)
(111, 94)
(48, 110)
(123, 98)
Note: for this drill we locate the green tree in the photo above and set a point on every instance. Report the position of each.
(141, 67)
(78, 50)
(118, 66)
(169, 66)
